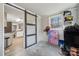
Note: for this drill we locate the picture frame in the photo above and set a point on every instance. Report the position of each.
(55, 21)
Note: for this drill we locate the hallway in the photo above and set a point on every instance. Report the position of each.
(34, 25)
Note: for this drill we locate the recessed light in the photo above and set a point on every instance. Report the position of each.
(18, 20)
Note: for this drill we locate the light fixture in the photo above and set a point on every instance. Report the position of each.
(18, 20)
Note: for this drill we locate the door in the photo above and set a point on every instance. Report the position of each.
(30, 29)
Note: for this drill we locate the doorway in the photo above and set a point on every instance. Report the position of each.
(20, 29)
(13, 29)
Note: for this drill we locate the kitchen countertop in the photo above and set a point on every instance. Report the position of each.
(8, 34)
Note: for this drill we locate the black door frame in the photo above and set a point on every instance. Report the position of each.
(30, 25)
(25, 16)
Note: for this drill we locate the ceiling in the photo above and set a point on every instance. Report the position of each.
(13, 15)
(46, 8)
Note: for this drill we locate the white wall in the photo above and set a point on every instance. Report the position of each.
(5, 19)
(44, 23)
(77, 14)
(1, 29)
(39, 28)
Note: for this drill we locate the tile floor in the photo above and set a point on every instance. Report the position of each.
(42, 48)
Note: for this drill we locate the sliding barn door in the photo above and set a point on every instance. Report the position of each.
(30, 29)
